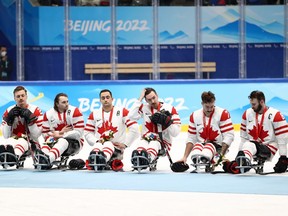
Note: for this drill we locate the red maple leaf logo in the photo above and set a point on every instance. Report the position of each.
(20, 129)
(60, 126)
(150, 126)
(107, 126)
(209, 134)
(254, 133)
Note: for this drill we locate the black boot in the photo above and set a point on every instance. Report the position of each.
(11, 157)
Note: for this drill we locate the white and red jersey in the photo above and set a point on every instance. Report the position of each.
(55, 121)
(145, 111)
(265, 128)
(217, 128)
(19, 126)
(116, 121)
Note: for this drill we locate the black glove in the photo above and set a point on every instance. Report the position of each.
(229, 167)
(281, 165)
(76, 164)
(28, 115)
(161, 118)
(179, 167)
(14, 112)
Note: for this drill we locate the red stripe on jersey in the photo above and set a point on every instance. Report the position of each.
(90, 125)
(174, 111)
(191, 132)
(131, 123)
(125, 112)
(192, 118)
(77, 113)
(225, 115)
(226, 125)
(281, 132)
(278, 117)
(192, 128)
(228, 129)
(244, 115)
(90, 130)
(279, 128)
(140, 108)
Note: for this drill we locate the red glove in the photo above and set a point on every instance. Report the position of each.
(229, 167)
(87, 165)
(116, 165)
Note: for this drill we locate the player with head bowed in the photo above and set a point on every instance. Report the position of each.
(63, 127)
(106, 131)
(263, 131)
(161, 122)
(210, 134)
(21, 128)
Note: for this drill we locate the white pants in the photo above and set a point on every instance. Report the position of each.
(208, 150)
(151, 147)
(249, 149)
(107, 148)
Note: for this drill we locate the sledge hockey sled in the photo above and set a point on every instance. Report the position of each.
(199, 164)
(245, 164)
(18, 163)
(97, 162)
(41, 162)
(147, 164)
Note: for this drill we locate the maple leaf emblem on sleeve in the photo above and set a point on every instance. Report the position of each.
(209, 134)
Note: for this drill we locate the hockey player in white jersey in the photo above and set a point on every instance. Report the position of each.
(21, 127)
(263, 131)
(105, 130)
(158, 118)
(210, 134)
(63, 127)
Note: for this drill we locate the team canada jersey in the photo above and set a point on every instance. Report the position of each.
(55, 121)
(115, 121)
(18, 127)
(270, 126)
(217, 128)
(145, 111)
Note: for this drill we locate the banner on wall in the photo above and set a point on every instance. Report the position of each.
(185, 96)
(134, 25)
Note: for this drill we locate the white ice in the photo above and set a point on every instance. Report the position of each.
(47, 202)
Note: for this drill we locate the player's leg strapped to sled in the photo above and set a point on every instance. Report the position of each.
(15, 151)
(253, 156)
(63, 148)
(204, 156)
(146, 155)
(105, 157)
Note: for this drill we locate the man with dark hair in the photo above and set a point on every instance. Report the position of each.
(158, 118)
(21, 124)
(210, 134)
(5, 65)
(63, 127)
(105, 130)
(263, 131)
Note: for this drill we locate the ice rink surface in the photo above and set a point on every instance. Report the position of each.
(55, 192)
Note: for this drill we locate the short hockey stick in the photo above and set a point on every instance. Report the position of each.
(160, 133)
